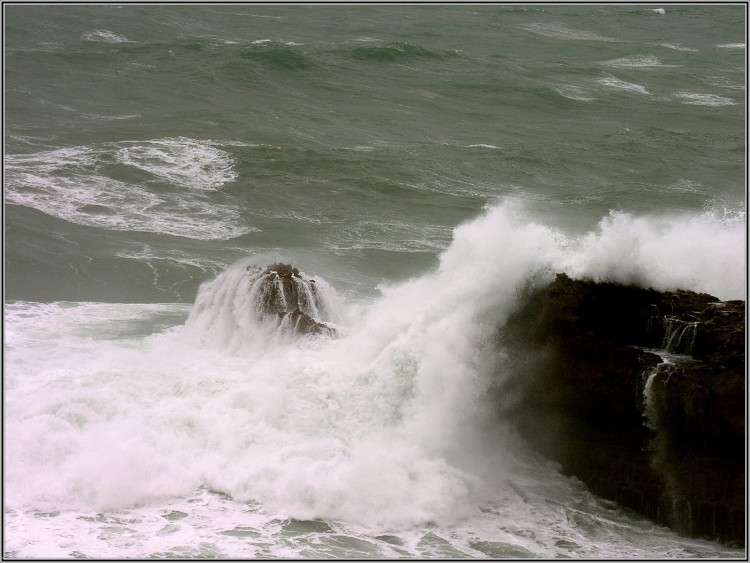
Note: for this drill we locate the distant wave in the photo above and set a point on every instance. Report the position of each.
(97, 117)
(105, 36)
(698, 99)
(393, 236)
(618, 84)
(574, 93)
(645, 12)
(724, 82)
(732, 46)
(275, 54)
(636, 61)
(678, 47)
(561, 31)
(396, 51)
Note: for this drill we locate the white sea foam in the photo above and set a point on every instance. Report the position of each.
(699, 99)
(636, 61)
(679, 47)
(374, 428)
(177, 257)
(703, 252)
(573, 92)
(614, 82)
(732, 46)
(386, 428)
(182, 161)
(105, 36)
(229, 312)
(69, 184)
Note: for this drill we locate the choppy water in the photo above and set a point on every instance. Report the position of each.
(424, 164)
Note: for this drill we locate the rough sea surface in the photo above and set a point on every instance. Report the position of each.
(424, 164)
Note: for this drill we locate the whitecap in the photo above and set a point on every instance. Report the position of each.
(698, 99)
(614, 82)
(574, 93)
(105, 36)
(678, 47)
(732, 46)
(660, 11)
(481, 145)
(636, 61)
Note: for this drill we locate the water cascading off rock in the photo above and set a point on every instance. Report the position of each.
(639, 393)
(282, 292)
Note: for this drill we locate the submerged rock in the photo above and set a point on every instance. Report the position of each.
(638, 393)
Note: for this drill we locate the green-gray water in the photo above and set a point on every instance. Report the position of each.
(423, 162)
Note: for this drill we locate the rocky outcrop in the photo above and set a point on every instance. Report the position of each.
(284, 293)
(638, 393)
(302, 323)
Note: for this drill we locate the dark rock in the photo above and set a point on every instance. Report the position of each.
(302, 323)
(284, 293)
(586, 388)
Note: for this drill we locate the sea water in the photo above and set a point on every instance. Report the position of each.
(425, 164)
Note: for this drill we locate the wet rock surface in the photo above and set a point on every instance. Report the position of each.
(638, 393)
(281, 291)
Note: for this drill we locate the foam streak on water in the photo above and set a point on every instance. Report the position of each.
(75, 184)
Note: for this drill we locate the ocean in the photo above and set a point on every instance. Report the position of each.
(424, 164)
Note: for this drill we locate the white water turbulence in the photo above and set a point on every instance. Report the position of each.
(249, 309)
(386, 428)
(160, 186)
(704, 252)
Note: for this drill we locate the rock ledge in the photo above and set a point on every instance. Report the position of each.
(638, 393)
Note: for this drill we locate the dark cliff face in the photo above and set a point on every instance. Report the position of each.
(594, 392)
